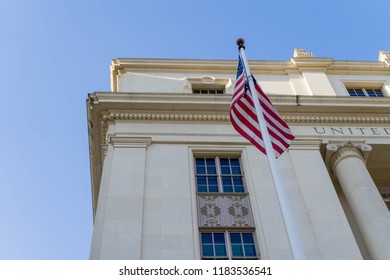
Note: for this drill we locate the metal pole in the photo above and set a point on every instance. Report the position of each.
(288, 218)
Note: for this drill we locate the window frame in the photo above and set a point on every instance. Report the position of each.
(229, 245)
(220, 175)
(365, 87)
(205, 90)
(365, 92)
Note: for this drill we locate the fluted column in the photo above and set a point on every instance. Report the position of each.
(348, 162)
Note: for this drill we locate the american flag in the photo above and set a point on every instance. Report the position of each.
(244, 119)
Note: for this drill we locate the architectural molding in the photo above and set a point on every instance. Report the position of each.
(384, 56)
(290, 118)
(127, 141)
(300, 59)
(298, 52)
(306, 144)
(336, 152)
(331, 118)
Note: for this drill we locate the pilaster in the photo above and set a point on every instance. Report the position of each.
(328, 233)
(118, 223)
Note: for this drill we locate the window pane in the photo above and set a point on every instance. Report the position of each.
(202, 189)
(250, 250)
(201, 180)
(200, 170)
(224, 162)
(228, 189)
(226, 181)
(237, 251)
(238, 184)
(235, 238)
(220, 250)
(200, 166)
(207, 250)
(219, 238)
(207, 238)
(225, 170)
(211, 170)
(236, 170)
(248, 238)
(237, 180)
(212, 180)
(213, 188)
(234, 162)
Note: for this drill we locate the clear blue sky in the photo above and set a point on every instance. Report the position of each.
(54, 52)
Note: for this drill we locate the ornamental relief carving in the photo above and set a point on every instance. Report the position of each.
(238, 211)
(224, 211)
(210, 211)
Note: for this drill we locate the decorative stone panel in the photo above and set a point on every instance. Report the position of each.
(224, 210)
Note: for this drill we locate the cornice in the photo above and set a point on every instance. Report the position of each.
(299, 64)
(290, 118)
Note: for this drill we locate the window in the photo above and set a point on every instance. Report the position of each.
(219, 174)
(209, 85)
(209, 91)
(372, 92)
(228, 245)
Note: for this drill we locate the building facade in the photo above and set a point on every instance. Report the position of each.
(172, 179)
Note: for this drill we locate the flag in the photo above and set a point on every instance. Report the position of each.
(244, 118)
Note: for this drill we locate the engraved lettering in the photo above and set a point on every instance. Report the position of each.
(339, 131)
(323, 130)
(375, 131)
(386, 130)
(350, 130)
(361, 130)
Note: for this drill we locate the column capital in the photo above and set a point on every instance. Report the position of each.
(306, 144)
(126, 141)
(335, 152)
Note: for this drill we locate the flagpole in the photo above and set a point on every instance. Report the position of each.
(289, 222)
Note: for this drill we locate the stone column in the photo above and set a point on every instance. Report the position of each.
(118, 223)
(348, 162)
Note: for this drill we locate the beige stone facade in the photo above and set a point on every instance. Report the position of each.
(151, 136)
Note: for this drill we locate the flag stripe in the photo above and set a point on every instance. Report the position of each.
(244, 118)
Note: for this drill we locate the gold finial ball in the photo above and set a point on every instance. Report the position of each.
(240, 42)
